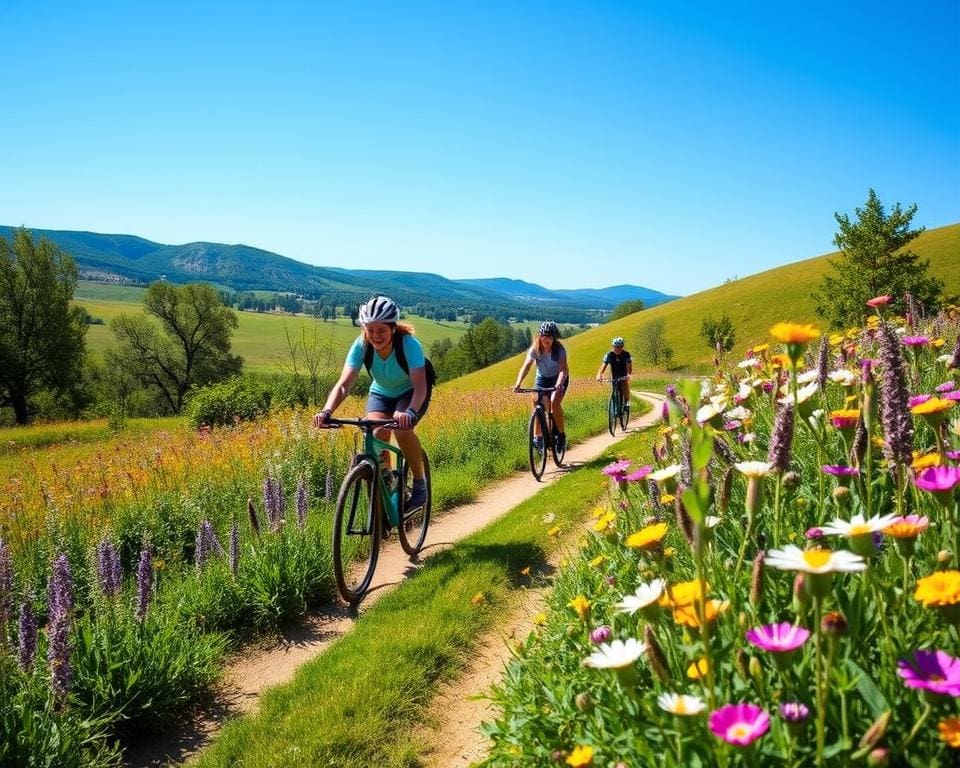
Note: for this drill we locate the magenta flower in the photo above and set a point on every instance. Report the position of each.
(879, 301)
(838, 470)
(778, 638)
(937, 479)
(934, 671)
(955, 395)
(794, 711)
(639, 474)
(953, 455)
(915, 341)
(618, 469)
(917, 400)
(814, 534)
(739, 724)
(601, 634)
(947, 386)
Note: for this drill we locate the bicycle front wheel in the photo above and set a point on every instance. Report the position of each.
(414, 522)
(356, 532)
(558, 453)
(612, 414)
(538, 457)
(624, 412)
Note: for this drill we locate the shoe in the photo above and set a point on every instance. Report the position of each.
(418, 495)
(561, 442)
(538, 444)
(385, 530)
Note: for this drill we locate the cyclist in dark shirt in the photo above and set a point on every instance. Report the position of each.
(621, 367)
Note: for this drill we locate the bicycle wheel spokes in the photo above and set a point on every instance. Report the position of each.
(558, 454)
(414, 522)
(538, 457)
(356, 532)
(612, 414)
(624, 412)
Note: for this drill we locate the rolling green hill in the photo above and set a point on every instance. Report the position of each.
(754, 303)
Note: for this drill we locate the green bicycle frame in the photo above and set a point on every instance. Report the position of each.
(372, 448)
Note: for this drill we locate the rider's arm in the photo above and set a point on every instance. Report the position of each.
(418, 377)
(342, 388)
(564, 370)
(630, 368)
(603, 367)
(523, 371)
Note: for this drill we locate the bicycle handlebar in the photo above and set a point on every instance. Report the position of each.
(526, 391)
(617, 380)
(361, 423)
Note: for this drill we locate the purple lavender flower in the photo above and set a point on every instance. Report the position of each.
(58, 629)
(301, 503)
(6, 584)
(955, 358)
(252, 516)
(108, 568)
(934, 671)
(894, 395)
(778, 638)
(823, 363)
(601, 634)
(781, 439)
(234, 548)
(144, 582)
(269, 501)
(794, 711)
(866, 370)
(207, 544)
(27, 637)
(279, 500)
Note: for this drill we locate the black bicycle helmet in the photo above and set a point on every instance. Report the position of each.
(549, 328)
(379, 309)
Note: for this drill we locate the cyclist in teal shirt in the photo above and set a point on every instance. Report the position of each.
(395, 393)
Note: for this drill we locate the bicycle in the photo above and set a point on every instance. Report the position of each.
(618, 409)
(371, 498)
(541, 415)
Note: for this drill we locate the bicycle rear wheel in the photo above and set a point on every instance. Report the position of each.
(356, 532)
(538, 458)
(624, 412)
(558, 454)
(414, 522)
(612, 413)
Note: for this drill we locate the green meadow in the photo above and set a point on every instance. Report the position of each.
(754, 303)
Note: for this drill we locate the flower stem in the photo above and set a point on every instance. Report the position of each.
(917, 726)
(818, 654)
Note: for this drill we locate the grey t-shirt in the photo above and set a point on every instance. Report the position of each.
(547, 367)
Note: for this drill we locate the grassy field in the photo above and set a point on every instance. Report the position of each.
(753, 303)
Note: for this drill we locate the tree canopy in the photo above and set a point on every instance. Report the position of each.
(625, 308)
(184, 341)
(875, 261)
(42, 337)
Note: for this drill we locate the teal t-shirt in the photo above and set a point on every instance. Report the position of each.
(389, 378)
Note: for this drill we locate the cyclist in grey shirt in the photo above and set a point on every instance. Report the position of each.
(550, 357)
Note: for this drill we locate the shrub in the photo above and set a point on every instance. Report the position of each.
(238, 399)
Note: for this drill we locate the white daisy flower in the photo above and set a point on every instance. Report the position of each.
(739, 413)
(944, 359)
(749, 437)
(744, 391)
(750, 362)
(707, 412)
(858, 525)
(754, 468)
(792, 558)
(807, 376)
(616, 655)
(664, 474)
(803, 394)
(681, 703)
(646, 594)
(843, 377)
(711, 521)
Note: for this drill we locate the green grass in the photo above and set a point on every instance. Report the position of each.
(754, 303)
(15, 439)
(357, 704)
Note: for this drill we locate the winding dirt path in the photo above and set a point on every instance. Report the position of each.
(276, 660)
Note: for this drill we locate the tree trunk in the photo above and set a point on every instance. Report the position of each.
(20, 413)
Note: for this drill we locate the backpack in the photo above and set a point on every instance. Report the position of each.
(402, 362)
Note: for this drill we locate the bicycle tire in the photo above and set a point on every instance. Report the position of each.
(538, 459)
(557, 453)
(624, 413)
(612, 413)
(356, 539)
(413, 526)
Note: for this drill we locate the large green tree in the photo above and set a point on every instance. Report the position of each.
(875, 261)
(42, 342)
(625, 308)
(182, 342)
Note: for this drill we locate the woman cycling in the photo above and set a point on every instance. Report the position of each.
(552, 371)
(621, 367)
(394, 393)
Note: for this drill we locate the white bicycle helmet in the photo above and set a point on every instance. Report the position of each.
(549, 328)
(379, 309)
(618, 341)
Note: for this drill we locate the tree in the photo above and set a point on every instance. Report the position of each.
(484, 343)
(874, 261)
(186, 344)
(42, 338)
(719, 335)
(625, 308)
(652, 343)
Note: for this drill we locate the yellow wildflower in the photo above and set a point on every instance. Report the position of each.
(649, 537)
(581, 605)
(950, 731)
(794, 333)
(581, 757)
(698, 669)
(939, 588)
(598, 561)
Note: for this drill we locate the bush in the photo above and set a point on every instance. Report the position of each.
(238, 399)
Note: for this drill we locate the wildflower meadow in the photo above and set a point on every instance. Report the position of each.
(778, 583)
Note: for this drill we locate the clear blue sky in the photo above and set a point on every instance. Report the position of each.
(669, 144)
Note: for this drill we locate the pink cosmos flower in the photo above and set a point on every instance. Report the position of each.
(955, 395)
(601, 634)
(879, 301)
(838, 470)
(953, 455)
(934, 671)
(915, 341)
(739, 724)
(917, 400)
(639, 474)
(617, 469)
(938, 479)
(947, 386)
(778, 638)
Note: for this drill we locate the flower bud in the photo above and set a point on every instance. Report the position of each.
(879, 758)
(655, 655)
(756, 580)
(756, 671)
(601, 634)
(584, 702)
(841, 495)
(833, 624)
(791, 480)
(741, 660)
(800, 597)
(876, 731)
(944, 556)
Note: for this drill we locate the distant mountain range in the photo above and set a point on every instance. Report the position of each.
(127, 258)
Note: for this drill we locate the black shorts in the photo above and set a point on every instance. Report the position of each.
(545, 382)
(377, 403)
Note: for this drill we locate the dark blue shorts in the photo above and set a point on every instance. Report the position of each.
(545, 382)
(388, 405)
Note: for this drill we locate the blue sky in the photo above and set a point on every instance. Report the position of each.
(672, 145)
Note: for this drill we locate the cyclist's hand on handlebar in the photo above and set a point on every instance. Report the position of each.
(405, 419)
(516, 387)
(322, 420)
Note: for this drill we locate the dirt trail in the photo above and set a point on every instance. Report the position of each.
(275, 661)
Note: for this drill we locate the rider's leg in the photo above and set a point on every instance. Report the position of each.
(556, 407)
(536, 422)
(625, 392)
(410, 445)
(382, 433)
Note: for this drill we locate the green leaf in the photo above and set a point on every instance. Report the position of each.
(872, 696)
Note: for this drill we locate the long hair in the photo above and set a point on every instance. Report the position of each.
(537, 347)
(399, 329)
